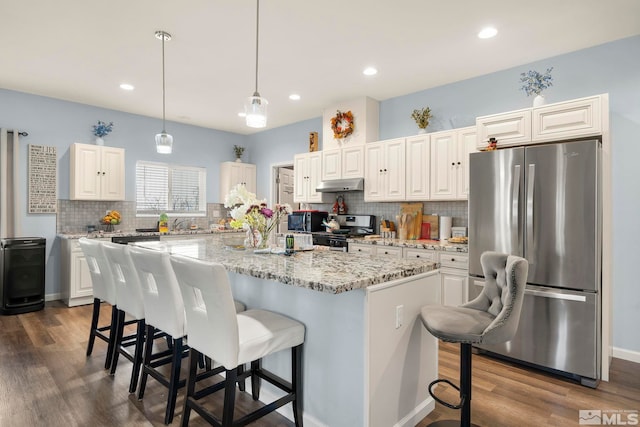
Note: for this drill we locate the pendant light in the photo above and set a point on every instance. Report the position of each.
(255, 108)
(164, 141)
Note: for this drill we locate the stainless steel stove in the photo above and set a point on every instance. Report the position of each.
(350, 226)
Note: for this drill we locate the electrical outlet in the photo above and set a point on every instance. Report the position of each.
(399, 316)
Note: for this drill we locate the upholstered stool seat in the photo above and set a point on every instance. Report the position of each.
(490, 318)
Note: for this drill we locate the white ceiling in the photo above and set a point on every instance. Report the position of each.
(81, 50)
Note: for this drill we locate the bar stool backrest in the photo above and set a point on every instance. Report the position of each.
(125, 278)
(163, 304)
(211, 311)
(101, 278)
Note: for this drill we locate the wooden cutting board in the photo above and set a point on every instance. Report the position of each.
(433, 220)
(414, 226)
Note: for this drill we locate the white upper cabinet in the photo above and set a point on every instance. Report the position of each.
(554, 122)
(307, 169)
(418, 167)
(513, 128)
(97, 172)
(234, 173)
(385, 174)
(341, 163)
(450, 163)
(563, 120)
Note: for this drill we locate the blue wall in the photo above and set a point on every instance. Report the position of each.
(611, 68)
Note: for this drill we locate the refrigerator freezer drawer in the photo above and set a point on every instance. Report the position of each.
(557, 330)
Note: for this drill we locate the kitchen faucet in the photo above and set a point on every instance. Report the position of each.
(177, 223)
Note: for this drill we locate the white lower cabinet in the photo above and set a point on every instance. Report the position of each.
(454, 272)
(76, 285)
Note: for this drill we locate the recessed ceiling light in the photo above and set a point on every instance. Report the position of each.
(126, 86)
(487, 33)
(294, 97)
(370, 71)
(242, 114)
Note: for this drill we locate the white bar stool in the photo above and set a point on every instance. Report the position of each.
(232, 339)
(103, 290)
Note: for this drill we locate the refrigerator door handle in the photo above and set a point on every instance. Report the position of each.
(555, 295)
(530, 187)
(515, 197)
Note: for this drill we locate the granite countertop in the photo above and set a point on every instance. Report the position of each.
(435, 245)
(320, 270)
(101, 235)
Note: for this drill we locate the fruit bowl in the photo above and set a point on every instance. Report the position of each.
(110, 219)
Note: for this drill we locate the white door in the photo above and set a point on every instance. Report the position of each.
(418, 168)
(300, 172)
(373, 178)
(285, 193)
(112, 173)
(331, 164)
(352, 162)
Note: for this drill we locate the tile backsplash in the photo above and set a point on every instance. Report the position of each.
(75, 215)
(458, 210)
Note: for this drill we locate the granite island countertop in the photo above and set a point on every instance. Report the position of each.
(319, 270)
(435, 245)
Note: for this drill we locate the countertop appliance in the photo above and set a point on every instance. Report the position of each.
(544, 203)
(350, 226)
(22, 274)
(125, 240)
(304, 221)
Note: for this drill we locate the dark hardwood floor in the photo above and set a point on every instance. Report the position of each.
(46, 380)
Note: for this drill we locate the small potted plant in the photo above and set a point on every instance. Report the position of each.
(101, 130)
(422, 118)
(533, 83)
(238, 150)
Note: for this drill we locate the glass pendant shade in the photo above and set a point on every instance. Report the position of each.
(256, 111)
(164, 143)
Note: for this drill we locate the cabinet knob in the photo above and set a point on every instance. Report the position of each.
(104, 173)
(417, 256)
(453, 259)
(98, 172)
(458, 163)
(386, 253)
(453, 164)
(380, 170)
(385, 170)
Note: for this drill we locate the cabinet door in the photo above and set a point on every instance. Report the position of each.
(331, 164)
(315, 176)
(570, 119)
(85, 174)
(81, 285)
(512, 128)
(389, 251)
(249, 176)
(423, 254)
(418, 167)
(444, 152)
(373, 169)
(352, 162)
(454, 288)
(466, 145)
(300, 178)
(395, 170)
(112, 181)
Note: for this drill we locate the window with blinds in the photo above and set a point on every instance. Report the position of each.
(173, 189)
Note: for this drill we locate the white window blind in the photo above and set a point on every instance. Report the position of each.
(173, 189)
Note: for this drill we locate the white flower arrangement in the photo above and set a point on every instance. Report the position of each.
(252, 214)
(534, 82)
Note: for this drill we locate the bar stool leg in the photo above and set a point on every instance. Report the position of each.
(174, 380)
(229, 397)
(94, 325)
(296, 382)
(112, 334)
(137, 356)
(148, 349)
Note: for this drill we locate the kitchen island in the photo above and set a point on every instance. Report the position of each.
(367, 358)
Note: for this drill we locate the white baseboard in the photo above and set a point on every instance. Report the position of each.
(52, 297)
(630, 355)
(414, 417)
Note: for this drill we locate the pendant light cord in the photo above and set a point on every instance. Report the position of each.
(163, 88)
(257, 29)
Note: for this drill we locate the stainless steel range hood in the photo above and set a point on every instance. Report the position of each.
(340, 185)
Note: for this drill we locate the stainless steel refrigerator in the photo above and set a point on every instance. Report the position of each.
(544, 203)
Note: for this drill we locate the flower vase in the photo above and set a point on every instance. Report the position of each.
(539, 101)
(421, 131)
(99, 141)
(256, 239)
(238, 160)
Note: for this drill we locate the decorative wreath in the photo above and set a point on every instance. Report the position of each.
(342, 124)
